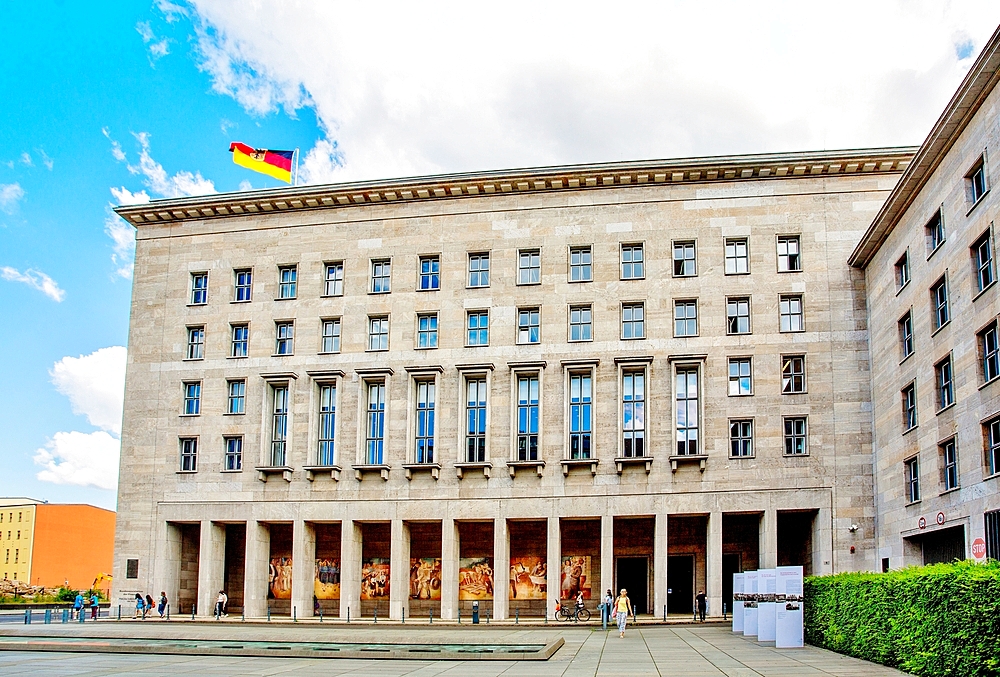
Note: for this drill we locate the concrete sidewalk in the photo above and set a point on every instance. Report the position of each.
(691, 651)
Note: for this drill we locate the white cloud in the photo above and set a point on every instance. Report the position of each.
(181, 184)
(95, 385)
(321, 164)
(122, 237)
(26, 160)
(246, 185)
(116, 148)
(46, 160)
(464, 87)
(10, 195)
(89, 460)
(127, 197)
(158, 48)
(35, 278)
(171, 11)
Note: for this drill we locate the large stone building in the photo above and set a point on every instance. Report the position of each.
(930, 267)
(407, 396)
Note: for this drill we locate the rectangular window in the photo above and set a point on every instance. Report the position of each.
(424, 440)
(686, 399)
(327, 424)
(989, 349)
(945, 383)
(378, 332)
(234, 453)
(529, 267)
(199, 289)
(477, 328)
(992, 525)
(740, 376)
(580, 264)
(279, 426)
(375, 429)
(331, 336)
(793, 374)
(528, 325)
(685, 318)
(737, 257)
(427, 331)
(991, 434)
(634, 413)
(241, 340)
(284, 333)
(430, 273)
(949, 461)
(244, 282)
(982, 262)
(906, 334)
(790, 313)
(192, 398)
(912, 470)
(903, 270)
(131, 568)
(976, 180)
(333, 284)
(237, 397)
(939, 303)
(189, 454)
(795, 435)
(196, 343)
(934, 231)
(789, 258)
(287, 282)
(381, 276)
(684, 259)
(741, 438)
(581, 327)
(633, 321)
(633, 265)
(527, 418)
(475, 416)
(580, 394)
(738, 315)
(479, 270)
(909, 401)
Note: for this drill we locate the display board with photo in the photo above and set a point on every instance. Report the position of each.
(326, 583)
(375, 578)
(279, 579)
(528, 577)
(475, 578)
(425, 578)
(575, 576)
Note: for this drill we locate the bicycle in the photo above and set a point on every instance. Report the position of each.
(572, 613)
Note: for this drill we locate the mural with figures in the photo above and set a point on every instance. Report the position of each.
(527, 577)
(575, 576)
(425, 578)
(326, 583)
(279, 579)
(375, 578)
(475, 578)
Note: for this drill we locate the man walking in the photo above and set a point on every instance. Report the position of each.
(220, 604)
(702, 603)
(95, 605)
(78, 605)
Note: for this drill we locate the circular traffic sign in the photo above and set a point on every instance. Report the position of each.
(940, 518)
(922, 522)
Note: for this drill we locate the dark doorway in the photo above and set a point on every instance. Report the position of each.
(680, 582)
(730, 565)
(946, 545)
(633, 575)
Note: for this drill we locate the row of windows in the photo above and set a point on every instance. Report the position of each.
(948, 462)
(9, 538)
(17, 556)
(10, 517)
(528, 328)
(529, 266)
(526, 410)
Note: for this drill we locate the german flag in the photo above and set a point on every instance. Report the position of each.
(275, 163)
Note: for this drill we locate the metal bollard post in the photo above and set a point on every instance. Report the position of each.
(269, 614)
(459, 615)
(430, 617)
(404, 615)
(488, 617)
(168, 611)
(193, 607)
(348, 614)
(295, 618)
(376, 613)
(605, 612)
(517, 616)
(664, 613)
(243, 615)
(321, 615)
(723, 611)
(27, 616)
(48, 616)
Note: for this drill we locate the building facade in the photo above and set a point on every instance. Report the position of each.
(930, 267)
(403, 397)
(55, 545)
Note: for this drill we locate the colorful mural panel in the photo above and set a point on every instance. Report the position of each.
(475, 578)
(279, 579)
(375, 578)
(527, 577)
(425, 578)
(575, 576)
(326, 583)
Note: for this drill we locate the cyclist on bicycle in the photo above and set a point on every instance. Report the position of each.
(579, 601)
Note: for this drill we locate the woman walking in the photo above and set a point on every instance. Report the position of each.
(623, 607)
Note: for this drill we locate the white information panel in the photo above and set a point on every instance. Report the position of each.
(738, 602)
(750, 603)
(788, 616)
(767, 580)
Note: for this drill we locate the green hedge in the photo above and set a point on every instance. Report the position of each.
(942, 619)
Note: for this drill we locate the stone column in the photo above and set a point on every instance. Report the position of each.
(350, 569)
(449, 568)
(211, 565)
(257, 568)
(303, 567)
(501, 569)
(608, 556)
(553, 564)
(713, 564)
(659, 565)
(768, 539)
(167, 567)
(399, 568)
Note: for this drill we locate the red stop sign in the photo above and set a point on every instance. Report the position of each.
(979, 548)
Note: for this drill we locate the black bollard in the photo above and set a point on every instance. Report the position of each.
(168, 611)
(193, 607)
(404, 615)
(295, 618)
(517, 616)
(664, 613)
(348, 614)
(269, 614)
(430, 617)
(48, 616)
(459, 615)
(321, 615)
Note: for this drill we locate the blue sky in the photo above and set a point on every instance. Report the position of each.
(106, 102)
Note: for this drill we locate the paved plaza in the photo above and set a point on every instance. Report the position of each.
(688, 650)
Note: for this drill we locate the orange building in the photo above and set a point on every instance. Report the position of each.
(55, 545)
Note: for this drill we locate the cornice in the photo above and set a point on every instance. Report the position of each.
(964, 104)
(708, 170)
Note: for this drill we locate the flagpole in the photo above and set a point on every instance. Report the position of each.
(296, 167)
